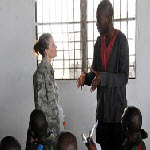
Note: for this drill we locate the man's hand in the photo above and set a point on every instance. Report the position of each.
(80, 80)
(90, 144)
(96, 81)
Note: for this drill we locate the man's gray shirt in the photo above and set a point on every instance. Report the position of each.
(111, 93)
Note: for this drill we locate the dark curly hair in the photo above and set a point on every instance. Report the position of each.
(42, 44)
(132, 118)
(65, 139)
(10, 143)
(106, 6)
(38, 124)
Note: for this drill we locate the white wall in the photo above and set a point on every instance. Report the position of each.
(16, 67)
(18, 64)
(79, 108)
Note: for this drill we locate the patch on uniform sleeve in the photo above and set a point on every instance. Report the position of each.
(39, 81)
(39, 86)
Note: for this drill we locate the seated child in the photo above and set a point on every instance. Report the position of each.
(67, 141)
(38, 130)
(9, 143)
(131, 124)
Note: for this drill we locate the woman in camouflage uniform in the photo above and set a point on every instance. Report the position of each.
(45, 88)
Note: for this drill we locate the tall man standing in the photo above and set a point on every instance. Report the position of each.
(109, 74)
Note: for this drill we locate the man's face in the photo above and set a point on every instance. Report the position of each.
(102, 23)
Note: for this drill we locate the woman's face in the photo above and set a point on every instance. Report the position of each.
(52, 52)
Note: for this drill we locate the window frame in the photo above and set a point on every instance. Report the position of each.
(84, 36)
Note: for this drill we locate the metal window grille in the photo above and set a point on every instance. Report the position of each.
(73, 26)
(61, 18)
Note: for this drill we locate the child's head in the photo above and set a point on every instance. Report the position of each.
(9, 143)
(131, 120)
(38, 125)
(67, 141)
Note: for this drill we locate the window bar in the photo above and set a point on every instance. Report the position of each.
(83, 8)
(74, 40)
(117, 20)
(120, 14)
(49, 17)
(77, 22)
(58, 23)
(127, 19)
(66, 41)
(93, 25)
(62, 42)
(42, 16)
(36, 28)
(113, 14)
(55, 10)
(68, 35)
(135, 34)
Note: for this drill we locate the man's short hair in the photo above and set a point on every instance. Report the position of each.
(105, 6)
(132, 119)
(67, 140)
(38, 124)
(9, 143)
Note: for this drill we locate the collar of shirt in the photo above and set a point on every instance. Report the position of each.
(49, 66)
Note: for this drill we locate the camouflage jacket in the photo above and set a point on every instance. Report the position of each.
(49, 144)
(46, 94)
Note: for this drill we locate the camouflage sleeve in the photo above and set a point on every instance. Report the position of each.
(40, 97)
(52, 103)
(45, 98)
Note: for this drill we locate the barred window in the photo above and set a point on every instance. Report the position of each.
(61, 18)
(64, 19)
